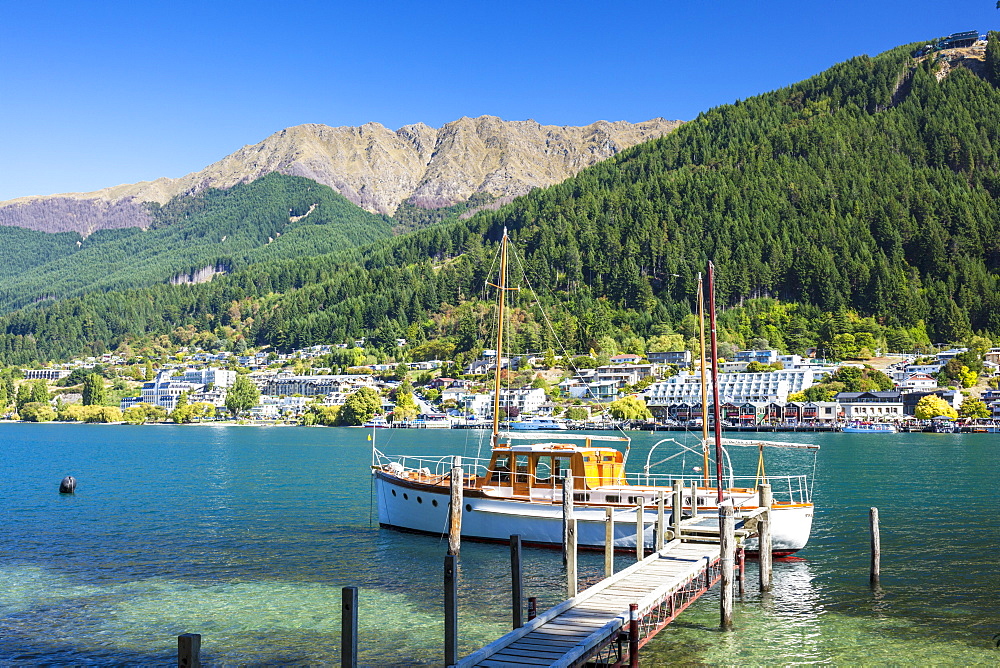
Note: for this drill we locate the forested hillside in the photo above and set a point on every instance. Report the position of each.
(271, 218)
(852, 210)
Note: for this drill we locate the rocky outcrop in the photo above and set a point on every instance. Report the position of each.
(371, 165)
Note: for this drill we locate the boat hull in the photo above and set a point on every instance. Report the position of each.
(423, 508)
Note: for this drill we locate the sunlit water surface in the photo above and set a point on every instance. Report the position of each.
(247, 535)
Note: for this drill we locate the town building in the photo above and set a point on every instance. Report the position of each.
(868, 406)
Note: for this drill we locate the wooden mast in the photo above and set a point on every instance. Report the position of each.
(502, 289)
(715, 383)
(704, 380)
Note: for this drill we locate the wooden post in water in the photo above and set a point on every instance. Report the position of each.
(764, 536)
(633, 635)
(876, 545)
(741, 565)
(567, 513)
(640, 533)
(450, 610)
(609, 542)
(678, 506)
(349, 627)
(516, 582)
(661, 524)
(189, 650)
(694, 499)
(455, 508)
(571, 580)
(727, 545)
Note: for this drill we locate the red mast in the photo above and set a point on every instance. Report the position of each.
(715, 382)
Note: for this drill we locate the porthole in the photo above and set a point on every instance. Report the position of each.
(419, 500)
(394, 492)
(468, 507)
(434, 502)
(406, 496)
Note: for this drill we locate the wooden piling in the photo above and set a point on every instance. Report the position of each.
(516, 582)
(455, 508)
(349, 627)
(727, 545)
(741, 565)
(450, 610)
(571, 579)
(661, 524)
(694, 499)
(640, 538)
(873, 528)
(678, 506)
(567, 514)
(764, 536)
(609, 542)
(633, 635)
(189, 650)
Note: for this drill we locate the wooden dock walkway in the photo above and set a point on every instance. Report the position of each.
(593, 627)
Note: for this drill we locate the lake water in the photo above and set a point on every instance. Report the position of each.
(246, 535)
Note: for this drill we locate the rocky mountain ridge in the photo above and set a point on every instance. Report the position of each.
(373, 166)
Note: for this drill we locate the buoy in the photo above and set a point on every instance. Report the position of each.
(68, 485)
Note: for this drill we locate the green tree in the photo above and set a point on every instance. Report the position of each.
(94, 393)
(36, 411)
(406, 407)
(932, 406)
(360, 407)
(974, 408)
(577, 413)
(629, 408)
(242, 396)
(966, 377)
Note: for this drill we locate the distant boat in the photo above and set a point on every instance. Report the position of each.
(377, 423)
(871, 428)
(538, 424)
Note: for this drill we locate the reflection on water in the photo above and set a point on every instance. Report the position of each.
(247, 535)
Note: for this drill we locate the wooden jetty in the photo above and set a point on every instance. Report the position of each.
(608, 623)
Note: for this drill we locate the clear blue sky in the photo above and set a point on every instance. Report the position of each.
(97, 94)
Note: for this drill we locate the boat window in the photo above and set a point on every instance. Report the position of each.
(612, 498)
(586, 458)
(521, 468)
(563, 468)
(543, 471)
(503, 468)
(609, 458)
(635, 500)
(581, 496)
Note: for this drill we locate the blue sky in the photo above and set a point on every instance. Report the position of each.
(97, 94)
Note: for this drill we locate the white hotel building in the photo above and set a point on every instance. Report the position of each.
(737, 388)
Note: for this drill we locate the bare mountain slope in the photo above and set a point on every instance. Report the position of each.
(371, 165)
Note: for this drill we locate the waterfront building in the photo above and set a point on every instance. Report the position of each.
(45, 374)
(867, 406)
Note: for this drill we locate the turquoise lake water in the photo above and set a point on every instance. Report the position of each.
(246, 535)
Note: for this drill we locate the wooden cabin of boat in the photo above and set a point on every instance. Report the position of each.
(525, 470)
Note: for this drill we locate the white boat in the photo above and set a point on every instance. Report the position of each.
(518, 490)
(538, 424)
(870, 428)
(377, 423)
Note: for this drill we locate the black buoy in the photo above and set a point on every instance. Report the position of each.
(68, 485)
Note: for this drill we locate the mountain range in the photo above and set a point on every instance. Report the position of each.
(855, 210)
(376, 168)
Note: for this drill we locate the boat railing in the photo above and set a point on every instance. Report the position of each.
(786, 489)
(430, 465)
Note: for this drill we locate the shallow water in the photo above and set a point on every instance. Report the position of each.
(246, 535)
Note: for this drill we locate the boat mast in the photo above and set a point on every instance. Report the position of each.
(704, 381)
(715, 383)
(502, 289)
